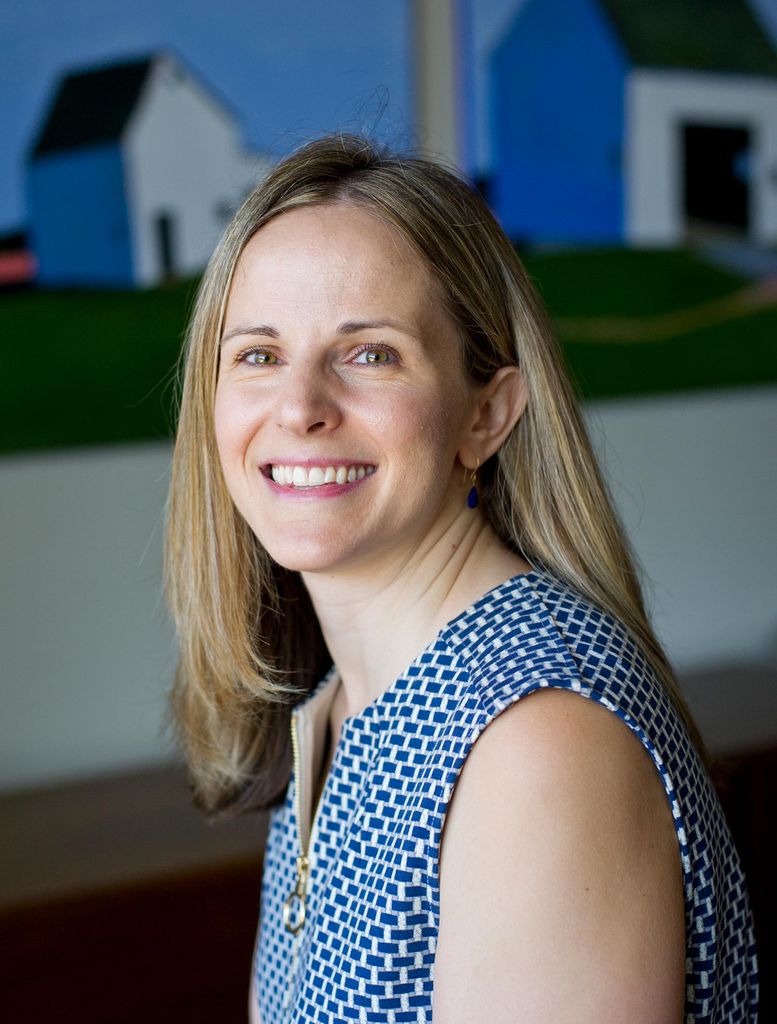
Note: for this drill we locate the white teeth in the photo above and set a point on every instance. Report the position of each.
(300, 476)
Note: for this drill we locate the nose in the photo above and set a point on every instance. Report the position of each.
(308, 402)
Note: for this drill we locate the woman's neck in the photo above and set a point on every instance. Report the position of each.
(377, 620)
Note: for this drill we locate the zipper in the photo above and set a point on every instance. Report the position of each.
(295, 904)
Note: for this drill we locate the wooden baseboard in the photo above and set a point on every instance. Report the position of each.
(176, 949)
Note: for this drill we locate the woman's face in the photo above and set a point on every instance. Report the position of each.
(341, 400)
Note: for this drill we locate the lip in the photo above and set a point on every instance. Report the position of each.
(310, 463)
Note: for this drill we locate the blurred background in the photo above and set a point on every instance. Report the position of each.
(628, 147)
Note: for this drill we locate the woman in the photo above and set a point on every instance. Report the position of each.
(395, 572)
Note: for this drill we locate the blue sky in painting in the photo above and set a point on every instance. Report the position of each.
(291, 68)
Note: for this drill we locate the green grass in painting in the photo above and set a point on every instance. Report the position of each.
(643, 283)
(739, 353)
(624, 282)
(89, 367)
(97, 367)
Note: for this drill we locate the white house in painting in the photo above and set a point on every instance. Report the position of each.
(133, 176)
(636, 121)
(701, 151)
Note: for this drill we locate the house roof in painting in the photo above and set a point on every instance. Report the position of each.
(705, 35)
(92, 106)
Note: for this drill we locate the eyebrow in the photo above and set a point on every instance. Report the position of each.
(259, 330)
(347, 327)
(354, 326)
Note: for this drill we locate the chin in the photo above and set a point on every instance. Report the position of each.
(307, 556)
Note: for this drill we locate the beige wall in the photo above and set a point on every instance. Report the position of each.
(86, 647)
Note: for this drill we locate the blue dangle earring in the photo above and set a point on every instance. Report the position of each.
(473, 496)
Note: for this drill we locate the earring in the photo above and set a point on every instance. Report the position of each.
(473, 496)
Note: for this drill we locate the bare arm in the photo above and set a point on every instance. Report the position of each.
(560, 877)
(253, 1002)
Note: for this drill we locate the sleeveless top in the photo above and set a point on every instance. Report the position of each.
(366, 950)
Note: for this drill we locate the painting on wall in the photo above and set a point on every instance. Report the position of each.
(631, 159)
(645, 135)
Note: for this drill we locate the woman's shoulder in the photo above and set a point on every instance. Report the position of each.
(535, 631)
(554, 747)
(559, 760)
(535, 634)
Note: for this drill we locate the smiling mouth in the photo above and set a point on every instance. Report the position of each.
(317, 476)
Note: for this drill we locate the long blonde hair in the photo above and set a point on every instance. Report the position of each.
(250, 642)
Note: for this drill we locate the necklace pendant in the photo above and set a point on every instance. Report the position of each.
(294, 906)
(294, 912)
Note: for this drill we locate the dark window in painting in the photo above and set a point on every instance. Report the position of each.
(165, 242)
(717, 170)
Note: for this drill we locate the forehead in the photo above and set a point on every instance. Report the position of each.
(332, 256)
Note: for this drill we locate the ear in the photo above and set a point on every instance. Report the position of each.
(497, 407)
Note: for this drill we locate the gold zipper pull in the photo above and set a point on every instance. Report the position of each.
(294, 904)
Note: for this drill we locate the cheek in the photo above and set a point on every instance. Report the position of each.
(440, 416)
(423, 430)
(235, 421)
(224, 427)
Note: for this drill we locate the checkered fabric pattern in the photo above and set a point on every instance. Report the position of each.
(366, 952)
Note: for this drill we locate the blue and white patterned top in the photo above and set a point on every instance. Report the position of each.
(366, 951)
